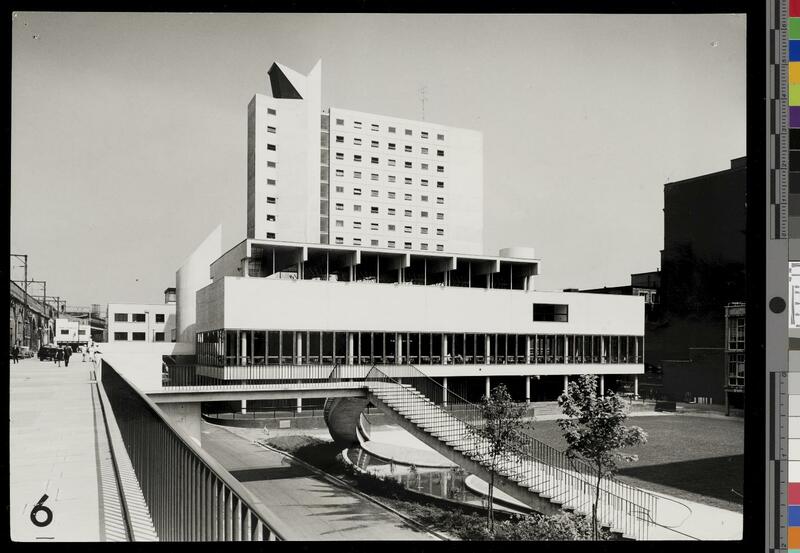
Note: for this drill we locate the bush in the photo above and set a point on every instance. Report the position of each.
(560, 527)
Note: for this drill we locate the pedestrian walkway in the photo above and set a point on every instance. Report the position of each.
(58, 448)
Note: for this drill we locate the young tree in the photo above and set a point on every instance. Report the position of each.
(594, 431)
(502, 431)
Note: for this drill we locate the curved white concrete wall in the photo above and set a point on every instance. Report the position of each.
(192, 276)
(519, 252)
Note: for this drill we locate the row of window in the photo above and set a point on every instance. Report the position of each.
(258, 347)
(389, 244)
(375, 160)
(392, 146)
(65, 331)
(389, 227)
(136, 317)
(389, 178)
(137, 337)
(392, 130)
(389, 210)
(374, 193)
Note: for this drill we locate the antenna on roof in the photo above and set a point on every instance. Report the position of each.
(422, 92)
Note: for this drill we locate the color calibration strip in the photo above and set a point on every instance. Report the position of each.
(789, 217)
(793, 432)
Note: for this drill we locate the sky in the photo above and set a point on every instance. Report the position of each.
(129, 131)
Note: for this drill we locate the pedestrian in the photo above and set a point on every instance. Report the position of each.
(83, 353)
(67, 354)
(15, 353)
(59, 356)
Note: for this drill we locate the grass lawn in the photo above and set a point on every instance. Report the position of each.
(696, 458)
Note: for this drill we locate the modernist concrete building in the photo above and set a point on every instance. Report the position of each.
(143, 322)
(351, 178)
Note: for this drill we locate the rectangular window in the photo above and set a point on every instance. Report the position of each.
(392, 130)
(439, 200)
(339, 240)
(407, 165)
(373, 243)
(356, 191)
(553, 312)
(271, 235)
(373, 193)
(121, 336)
(390, 227)
(408, 213)
(424, 166)
(423, 246)
(439, 232)
(340, 172)
(138, 337)
(390, 243)
(65, 331)
(374, 144)
(139, 317)
(271, 164)
(374, 127)
(392, 145)
(121, 317)
(391, 162)
(440, 216)
(271, 147)
(340, 139)
(424, 134)
(408, 132)
(408, 180)
(373, 209)
(340, 189)
(339, 207)
(407, 197)
(356, 157)
(270, 129)
(391, 211)
(357, 225)
(356, 174)
(408, 149)
(440, 153)
(373, 160)
(271, 182)
(159, 337)
(339, 223)
(439, 247)
(423, 230)
(356, 207)
(439, 137)
(424, 198)
(439, 184)
(423, 214)
(339, 155)
(340, 121)
(270, 218)
(357, 124)
(423, 182)
(392, 178)
(270, 200)
(424, 150)
(391, 195)
(159, 317)
(82, 332)
(407, 245)
(373, 226)
(357, 141)
(439, 169)
(407, 229)
(271, 111)
(356, 241)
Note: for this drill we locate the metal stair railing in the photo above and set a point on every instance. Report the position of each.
(535, 465)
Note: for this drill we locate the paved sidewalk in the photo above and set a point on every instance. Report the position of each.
(53, 442)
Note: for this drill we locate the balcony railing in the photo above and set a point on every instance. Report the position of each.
(190, 496)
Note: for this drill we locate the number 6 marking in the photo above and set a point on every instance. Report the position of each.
(40, 507)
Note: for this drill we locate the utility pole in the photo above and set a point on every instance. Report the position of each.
(24, 259)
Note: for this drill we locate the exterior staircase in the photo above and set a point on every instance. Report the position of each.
(535, 473)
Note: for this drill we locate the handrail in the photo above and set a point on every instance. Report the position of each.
(205, 501)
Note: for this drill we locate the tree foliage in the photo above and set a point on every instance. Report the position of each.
(595, 431)
(502, 432)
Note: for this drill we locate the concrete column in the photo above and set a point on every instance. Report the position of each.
(602, 349)
(635, 349)
(528, 352)
(566, 383)
(444, 349)
(349, 348)
(527, 389)
(400, 275)
(243, 349)
(399, 345)
(488, 386)
(185, 417)
(244, 406)
(246, 267)
(636, 384)
(602, 385)
(298, 352)
(300, 405)
(566, 344)
(488, 349)
(444, 392)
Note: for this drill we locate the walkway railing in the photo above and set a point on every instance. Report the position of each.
(533, 464)
(190, 496)
(233, 377)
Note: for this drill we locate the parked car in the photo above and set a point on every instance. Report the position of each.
(25, 352)
(47, 352)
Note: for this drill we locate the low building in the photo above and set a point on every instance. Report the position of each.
(31, 322)
(71, 332)
(139, 322)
